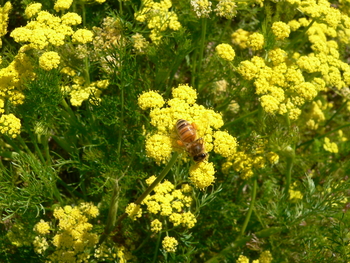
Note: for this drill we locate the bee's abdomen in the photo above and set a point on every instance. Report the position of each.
(185, 131)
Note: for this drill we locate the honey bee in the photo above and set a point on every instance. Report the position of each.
(188, 139)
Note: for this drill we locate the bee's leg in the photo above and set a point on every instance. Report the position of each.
(180, 143)
(194, 125)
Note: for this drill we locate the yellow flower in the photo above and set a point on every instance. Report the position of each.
(71, 19)
(40, 244)
(202, 8)
(188, 219)
(169, 244)
(265, 257)
(42, 227)
(272, 157)
(242, 259)
(256, 41)
(185, 93)
(62, 5)
(226, 8)
(247, 69)
(202, 174)
(150, 99)
(140, 43)
(277, 56)
(159, 147)
(225, 51)
(10, 125)
(224, 144)
(82, 36)
(330, 146)
(156, 226)
(32, 10)
(269, 103)
(4, 14)
(240, 37)
(133, 211)
(49, 60)
(281, 30)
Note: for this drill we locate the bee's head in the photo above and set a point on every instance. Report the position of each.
(200, 157)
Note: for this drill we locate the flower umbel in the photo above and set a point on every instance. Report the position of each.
(200, 121)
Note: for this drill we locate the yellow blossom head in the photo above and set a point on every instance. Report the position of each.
(281, 30)
(169, 244)
(49, 60)
(202, 174)
(256, 41)
(150, 99)
(225, 51)
(32, 9)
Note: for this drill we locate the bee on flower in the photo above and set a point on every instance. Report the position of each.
(184, 126)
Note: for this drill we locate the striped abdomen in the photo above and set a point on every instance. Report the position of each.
(186, 131)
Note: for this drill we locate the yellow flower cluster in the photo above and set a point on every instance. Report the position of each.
(330, 146)
(62, 5)
(255, 41)
(169, 244)
(156, 226)
(159, 145)
(202, 174)
(282, 89)
(4, 18)
(224, 144)
(280, 30)
(73, 237)
(10, 125)
(294, 195)
(158, 18)
(81, 91)
(82, 36)
(171, 203)
(245, 163)
(202, 8)
(140, 43)
(225, 51)
(240, 38)
(133, 210)
(49, 60)
(324, 62)
(150, 99)
(265, 257)
(316, 115)
(226, 8)
(32, 10)
(42, 227)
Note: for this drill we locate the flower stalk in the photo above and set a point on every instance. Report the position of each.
(251, 207)
(111, 223)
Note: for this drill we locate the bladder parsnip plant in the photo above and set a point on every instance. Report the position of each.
(174, 131)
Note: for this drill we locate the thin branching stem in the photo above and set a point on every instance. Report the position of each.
(251, 207)
(148, 190)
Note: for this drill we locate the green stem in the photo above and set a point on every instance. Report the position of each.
(240, 119)
(251, 207)
(121, 121)
(336, 113)
(157, 247)
(201, 52)
(290, 162)
(149, 189)
(84, 13)
(113, 209)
